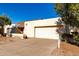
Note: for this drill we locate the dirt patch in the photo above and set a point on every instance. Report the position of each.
(66, 49)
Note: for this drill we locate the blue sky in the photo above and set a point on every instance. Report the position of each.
(19, 12)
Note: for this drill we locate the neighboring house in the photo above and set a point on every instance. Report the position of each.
(46, 28)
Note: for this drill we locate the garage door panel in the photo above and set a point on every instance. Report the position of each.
(49, 33)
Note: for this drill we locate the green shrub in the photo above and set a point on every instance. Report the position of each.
(75, 36)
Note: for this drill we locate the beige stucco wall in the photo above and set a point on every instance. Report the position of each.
(29, 28)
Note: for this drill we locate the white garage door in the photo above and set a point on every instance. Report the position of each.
(47, 32)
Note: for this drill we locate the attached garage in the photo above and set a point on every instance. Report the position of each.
(48, 32)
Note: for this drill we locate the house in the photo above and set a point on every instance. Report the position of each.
(43, 28)
(46, 29)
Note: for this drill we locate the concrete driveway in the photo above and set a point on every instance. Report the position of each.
(27, 47)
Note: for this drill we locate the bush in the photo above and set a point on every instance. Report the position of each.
(68, 38)
(71, 38)
(75, 36)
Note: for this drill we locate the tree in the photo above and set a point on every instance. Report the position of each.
(69, 13)
(4, 20)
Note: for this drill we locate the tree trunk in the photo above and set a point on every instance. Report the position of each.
(67, 30)
(2, 30)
